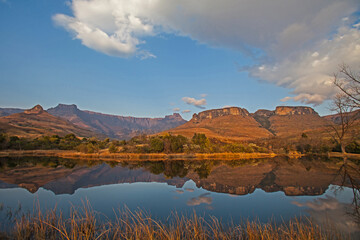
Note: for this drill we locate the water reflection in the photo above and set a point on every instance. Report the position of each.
(294, 177)
(326, 189)
(329, 210)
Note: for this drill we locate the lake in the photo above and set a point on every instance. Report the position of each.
(276, 189)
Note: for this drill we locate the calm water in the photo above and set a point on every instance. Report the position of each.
(263, 189)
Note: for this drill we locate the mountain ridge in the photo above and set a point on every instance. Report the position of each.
(234, 123)
(120, 127)
(36, 122)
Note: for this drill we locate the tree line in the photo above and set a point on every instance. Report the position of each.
(168, 143)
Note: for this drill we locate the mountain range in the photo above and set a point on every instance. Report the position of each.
(36, 122)
(114, 126)
(229, 124)
(237, 124)
(18, 122)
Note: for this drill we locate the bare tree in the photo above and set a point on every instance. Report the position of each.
(344, 120)
(349, 83)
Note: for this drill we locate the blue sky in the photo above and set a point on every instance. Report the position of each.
(218, 60)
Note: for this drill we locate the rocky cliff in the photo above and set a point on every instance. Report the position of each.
(237, 124)
(210, 114)
(233, 123)
(35, 110)
(285, 110)
(289, 121)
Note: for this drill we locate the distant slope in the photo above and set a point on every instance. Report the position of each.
(337, 119)
(115, 126)
(8, 111)
(235, 124)
(287, 121)
(36, 122)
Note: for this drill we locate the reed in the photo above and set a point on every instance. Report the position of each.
(84, 223)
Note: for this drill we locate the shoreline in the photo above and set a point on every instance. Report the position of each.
(70, 154)
(133, 156)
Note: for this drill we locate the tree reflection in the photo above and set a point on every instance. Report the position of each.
(350, 174)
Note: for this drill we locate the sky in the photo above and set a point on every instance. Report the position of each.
(151, 58)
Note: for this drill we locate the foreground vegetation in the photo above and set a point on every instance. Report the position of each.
(85, 223)
(173, 144)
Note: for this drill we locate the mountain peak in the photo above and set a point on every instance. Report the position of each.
(63, 109)
(174, 116)
(67, 106)
(35, 110)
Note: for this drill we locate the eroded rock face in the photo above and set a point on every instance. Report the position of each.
(210, 114)
(35, 110)
(285, 110)
(264, 113)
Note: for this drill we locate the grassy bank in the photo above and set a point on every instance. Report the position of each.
(84, 223)
(105, 155)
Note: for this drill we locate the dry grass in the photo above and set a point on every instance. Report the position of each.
(84, 223)
(132, 156)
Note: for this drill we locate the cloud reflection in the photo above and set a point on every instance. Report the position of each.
(203, 198)
(329, 211)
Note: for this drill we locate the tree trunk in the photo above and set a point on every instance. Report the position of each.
(343, 148)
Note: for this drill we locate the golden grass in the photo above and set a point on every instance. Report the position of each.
(133, 156)
(84, 223)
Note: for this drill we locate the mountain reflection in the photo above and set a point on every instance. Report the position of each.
(294, 177)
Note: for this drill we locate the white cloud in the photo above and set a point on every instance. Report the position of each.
(310, 72)
(111, 27)
(203, 95)
(196, 102)
(186, 111)
(297, 44)
(118, 26)
(176, 109)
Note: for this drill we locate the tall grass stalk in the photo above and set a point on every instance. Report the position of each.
(85, 223)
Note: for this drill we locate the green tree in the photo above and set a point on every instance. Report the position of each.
(112, 148)
(70, 137)
(177, 143)
(201, 140)
(156, 144)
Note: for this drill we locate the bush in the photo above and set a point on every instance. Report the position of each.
(353, 147)
(156, 145)
(112, 148)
